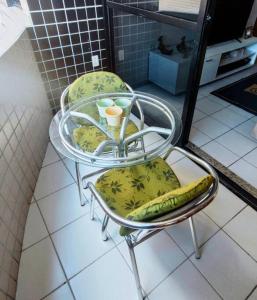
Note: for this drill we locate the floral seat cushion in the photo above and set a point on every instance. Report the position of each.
(148, 191)
(95, 83)
(89, 137)
(126, 189)
(168, 202)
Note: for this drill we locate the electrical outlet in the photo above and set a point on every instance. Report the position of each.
(121, 54)
(95, 60)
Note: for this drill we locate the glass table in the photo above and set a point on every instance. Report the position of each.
(117, 147)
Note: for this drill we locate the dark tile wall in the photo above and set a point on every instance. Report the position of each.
(136, 36)
(65, 35)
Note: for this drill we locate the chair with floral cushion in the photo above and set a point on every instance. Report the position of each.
(87, 136)
(147, 198)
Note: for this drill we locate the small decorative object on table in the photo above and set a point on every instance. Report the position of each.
(183, 48)
(248, 32)
(164, 49)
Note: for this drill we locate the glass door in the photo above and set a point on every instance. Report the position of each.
(156, 47)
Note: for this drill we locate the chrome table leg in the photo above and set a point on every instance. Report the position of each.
(80, 187)
(134, 267)
(194, 238)
(92, 207)
(104, 227)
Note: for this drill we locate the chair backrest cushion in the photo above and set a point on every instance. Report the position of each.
(125, 189)
(95, 83)
(168, 202)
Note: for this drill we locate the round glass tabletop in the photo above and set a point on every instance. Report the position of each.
(109, 131)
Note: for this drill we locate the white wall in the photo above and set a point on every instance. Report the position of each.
(186, 6)
(24, 122)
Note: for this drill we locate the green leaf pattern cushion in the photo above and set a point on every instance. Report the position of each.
(168, 202)
(89, 137)
(95, 83)
(125, 189)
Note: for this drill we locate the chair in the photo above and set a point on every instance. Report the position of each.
(147, 198)
(88, 137)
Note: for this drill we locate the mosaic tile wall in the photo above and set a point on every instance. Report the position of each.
(65, 35)
(24, 122)
(136, 36)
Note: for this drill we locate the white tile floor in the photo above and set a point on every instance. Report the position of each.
(224, 130)
(64, 257)
(219, 128)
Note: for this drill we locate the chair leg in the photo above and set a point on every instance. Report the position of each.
(134, 267)
(92, 207)
(104, 228)
(194, 238)
(81, 196)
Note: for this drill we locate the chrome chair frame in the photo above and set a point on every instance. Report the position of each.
(144, 230)
(78, 175)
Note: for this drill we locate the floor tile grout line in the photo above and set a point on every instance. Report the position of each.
(209, 283)
(241, 156)
(240, 246)
(223, 230)
(200, 258)
(167, 276)
(56, 252)
(54, 290)
(218, 136)
(231, 152)
(206, 279)
(50, 163)
(123, 257)
(200, 246)
(56, 191)
(30, 246)
(223, 123)
(114, 246)
(74, 177)
(71, 222)
(57, 230)
(131, 271)
(92, 262)
(245, 205)
(173, 240)
(252, 291)
(231, 128)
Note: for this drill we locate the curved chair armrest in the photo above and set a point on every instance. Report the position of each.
(91, 120)
(99, 150)
(168, 219)
(196, 159)
(62, 100)
(125, 122)
(145, 131)
(141, 114)
(129, 88)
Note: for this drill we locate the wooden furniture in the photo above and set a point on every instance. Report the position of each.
(228, 58)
